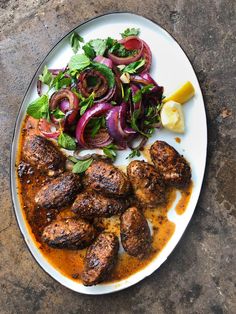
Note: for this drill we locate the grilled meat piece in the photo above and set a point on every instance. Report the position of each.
(135, 233)
(100, 259)
(90, 204)
(173, 167)
(69, 233)
(106, 178)
(59, 192)
(43, 154)
(146, 182)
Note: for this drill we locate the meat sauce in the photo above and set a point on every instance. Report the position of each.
(70, 262)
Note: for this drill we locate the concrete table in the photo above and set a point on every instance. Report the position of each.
(199, 275)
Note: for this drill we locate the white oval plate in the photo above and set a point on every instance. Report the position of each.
(170, 68)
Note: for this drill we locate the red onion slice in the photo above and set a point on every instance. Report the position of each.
(130, 43)
(108, 96)
(105, 61)
(116, 125)
(56, 71)
(100, 88)
(64, 105)
(96, 111)
(101, 139)
(39, 88)
(147, 55)
(68, 102)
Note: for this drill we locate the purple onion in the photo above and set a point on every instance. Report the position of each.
(103, 60)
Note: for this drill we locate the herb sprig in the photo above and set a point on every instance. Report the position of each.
(130, 32)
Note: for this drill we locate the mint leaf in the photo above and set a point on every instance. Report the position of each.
(66, 141)
(86, 103)
(75, 40)
(134, 66)
(79, 62)
(46, 77)
(134, 153)
(107, 72)
(89, 51)
(73, 159)
(61, 81)
(58, 114)
(82, 165)
(130, 32)
(99, 46)
(110, 42)
(39, 108)
(95, 48)
(110, 151)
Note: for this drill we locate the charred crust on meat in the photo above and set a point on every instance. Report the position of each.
(135, 233)
(173, 167)
(101, 258)
(69, 233)
(59, 192)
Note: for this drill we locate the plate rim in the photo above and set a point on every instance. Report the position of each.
(12, 166)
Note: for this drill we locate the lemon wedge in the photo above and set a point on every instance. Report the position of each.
(172, 117)
(183, 94)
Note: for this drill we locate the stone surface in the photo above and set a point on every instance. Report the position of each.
(199, 276)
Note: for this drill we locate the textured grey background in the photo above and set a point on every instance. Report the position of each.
(199, 275)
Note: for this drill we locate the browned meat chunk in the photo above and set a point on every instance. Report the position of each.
(100, 259)
(173, 167)
(59, 192)
(146, 182)
(43, 154)
(69, 233)
(135, 233)
(106, 178)
(90, 204)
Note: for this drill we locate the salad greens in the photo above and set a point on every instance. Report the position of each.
(90, 86)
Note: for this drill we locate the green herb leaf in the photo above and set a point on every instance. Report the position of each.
(39, 108)
(130, 32)
(66, 141)
(110, 151)
(60, 81)
(46, 76)
(134, 66)
(127, 94)
(79, 62)
(107, 72)
(137, 96)
(120, 50)
(86, 103)
(95, 124)
(75, 40)
(89, 51)
(73, 159)
(110, 42)
(99, 46)
(144, 90)
(134, 153)
(134, 122)
(82, 165)
(58, 114)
